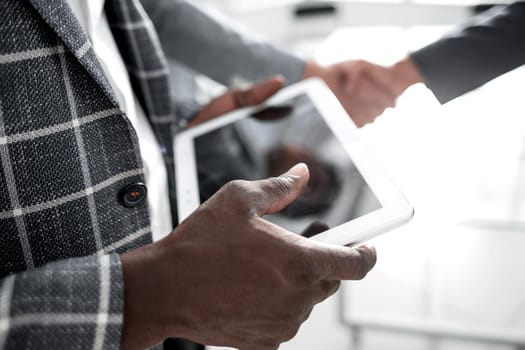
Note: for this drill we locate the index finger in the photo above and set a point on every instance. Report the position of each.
(342, 263)
(238, 98)
(258, 93)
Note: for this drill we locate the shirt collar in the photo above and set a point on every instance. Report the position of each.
(88, 12)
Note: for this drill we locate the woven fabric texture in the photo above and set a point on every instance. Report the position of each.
(66, 154)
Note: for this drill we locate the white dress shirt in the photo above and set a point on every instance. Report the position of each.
(91, 16)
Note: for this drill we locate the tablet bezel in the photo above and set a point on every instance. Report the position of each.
(395, 209)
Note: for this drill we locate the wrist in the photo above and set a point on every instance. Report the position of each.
(313, 69)
(143, 326)
(405, 74)
(329, 74)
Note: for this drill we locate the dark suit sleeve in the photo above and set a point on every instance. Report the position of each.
(68, 304)
(459, 63)
(208, 42)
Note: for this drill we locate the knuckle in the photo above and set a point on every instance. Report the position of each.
(236, 189)
(268, 341)
(271, 344)
(245, 98)
(334, 288)
(239, 97)
(251, 97)
(287, 328)
(235, 186)
(238, 195)
(307, 314)
(329, 288)
(290, 332)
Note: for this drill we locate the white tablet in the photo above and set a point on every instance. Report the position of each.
(348, 190)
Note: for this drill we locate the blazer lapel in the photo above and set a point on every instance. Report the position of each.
(142, 53)
(59, 16)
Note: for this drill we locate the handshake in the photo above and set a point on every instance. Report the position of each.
(365, 89)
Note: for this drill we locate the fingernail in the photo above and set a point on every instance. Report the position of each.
(297, 171)
(280, 77)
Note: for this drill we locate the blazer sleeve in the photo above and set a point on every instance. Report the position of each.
(208, 43)
(73, 303)
(459, 63)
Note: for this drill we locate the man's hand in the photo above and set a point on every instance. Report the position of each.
(238, 98)
(366, 89)
(227, 277)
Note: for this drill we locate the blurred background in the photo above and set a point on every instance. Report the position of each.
(453, 278)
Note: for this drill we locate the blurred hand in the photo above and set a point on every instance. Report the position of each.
(365, 89)
(227, 277)
(237, 98)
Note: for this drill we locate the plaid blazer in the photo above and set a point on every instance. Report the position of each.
(67, 152)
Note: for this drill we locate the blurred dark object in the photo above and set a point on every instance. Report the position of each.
(273, 113)
(313, 9)
(181, 344)
(476, 10)
(314, 228)
(322, 187)
(221, 157)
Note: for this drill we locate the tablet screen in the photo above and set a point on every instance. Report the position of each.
(271, 141)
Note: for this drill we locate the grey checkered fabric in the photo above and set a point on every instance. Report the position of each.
(67, 151)
(66, 154)
(137, 40)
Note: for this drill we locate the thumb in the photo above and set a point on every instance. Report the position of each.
(275, 193)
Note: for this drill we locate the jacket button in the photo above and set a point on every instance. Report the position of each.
(134, 195)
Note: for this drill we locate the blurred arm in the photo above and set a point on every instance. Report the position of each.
(477, 54)
(450, 66)
(208, 43)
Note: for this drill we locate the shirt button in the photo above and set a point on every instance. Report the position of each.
(134, 195)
